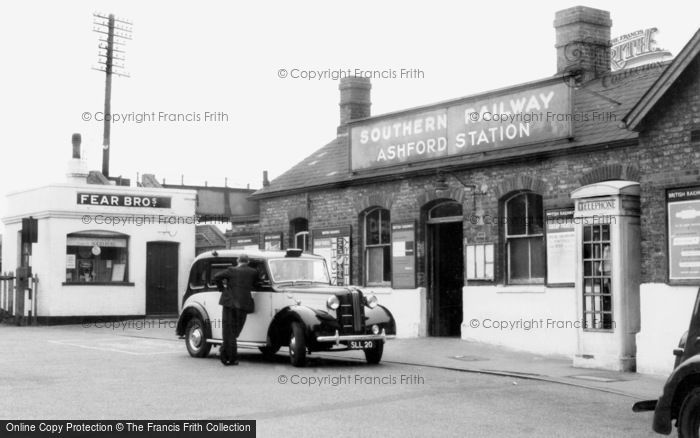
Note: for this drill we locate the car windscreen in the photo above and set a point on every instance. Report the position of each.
(299, 269)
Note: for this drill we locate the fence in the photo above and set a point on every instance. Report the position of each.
(18, 301)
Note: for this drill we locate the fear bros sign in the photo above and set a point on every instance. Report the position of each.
(536, 113)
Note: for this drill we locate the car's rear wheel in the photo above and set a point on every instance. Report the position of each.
(374, 354)
(195, 338)
(689, 415)
(297, 345)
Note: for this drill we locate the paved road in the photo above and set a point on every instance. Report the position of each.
(70, 373)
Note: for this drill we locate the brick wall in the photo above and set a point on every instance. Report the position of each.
(668, 159)
(663, 158)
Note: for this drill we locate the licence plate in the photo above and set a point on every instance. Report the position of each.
(360, 345)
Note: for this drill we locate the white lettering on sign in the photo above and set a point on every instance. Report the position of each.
(123, 200)
(536, 102)
(404, 128)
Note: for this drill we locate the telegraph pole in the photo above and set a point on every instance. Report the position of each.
(114, 34)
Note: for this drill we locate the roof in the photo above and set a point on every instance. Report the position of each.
(663, 83)
(209, 236)
(614, 94)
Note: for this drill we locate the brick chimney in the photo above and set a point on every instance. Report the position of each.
(583, 41)
(77, 166)
(355, 102)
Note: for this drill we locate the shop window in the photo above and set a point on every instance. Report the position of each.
(377, 246)
(597, 293)
(299, 232)
(525, 257)
(96, 257)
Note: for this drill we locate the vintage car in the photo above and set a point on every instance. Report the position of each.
(680, 399)
(295, 306)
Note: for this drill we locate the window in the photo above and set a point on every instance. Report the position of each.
(377, 246)
(524, 239)
(96, 257)
(597, 293)
(299, 232)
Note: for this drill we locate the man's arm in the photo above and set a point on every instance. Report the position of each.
(219, 278)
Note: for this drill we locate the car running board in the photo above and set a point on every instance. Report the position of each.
(244, 344)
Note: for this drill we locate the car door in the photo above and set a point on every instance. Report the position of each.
(257, 323)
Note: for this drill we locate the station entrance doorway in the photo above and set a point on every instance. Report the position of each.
(445, 269)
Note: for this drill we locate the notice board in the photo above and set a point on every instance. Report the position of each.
(333, 244)
(561, 246)
(403, 255)
(684, 233)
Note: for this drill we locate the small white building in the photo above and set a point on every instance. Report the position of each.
(102, 250)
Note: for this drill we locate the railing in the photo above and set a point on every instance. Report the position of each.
(18, 301)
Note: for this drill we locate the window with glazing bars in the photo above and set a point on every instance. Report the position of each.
(597, 289)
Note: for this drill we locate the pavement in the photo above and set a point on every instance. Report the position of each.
(458, 355)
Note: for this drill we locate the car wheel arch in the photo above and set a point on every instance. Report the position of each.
(281, 324)
(192, 311)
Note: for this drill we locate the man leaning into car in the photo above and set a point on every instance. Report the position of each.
(235, 284)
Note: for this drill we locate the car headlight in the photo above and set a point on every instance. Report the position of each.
(371, 301)
(333, 302)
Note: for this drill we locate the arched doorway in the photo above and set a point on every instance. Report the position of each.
(445, 268)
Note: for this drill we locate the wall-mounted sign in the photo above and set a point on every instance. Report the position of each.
(115, 200)
(273, 242)
(561, 246)
(112, 242)
(479, 261)
(540, 113)
(684, 233)
(333, 244)
(403, 255)
(246, 243)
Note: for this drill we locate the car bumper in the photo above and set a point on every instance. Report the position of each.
(338, 338)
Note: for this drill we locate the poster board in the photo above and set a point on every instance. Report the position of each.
(683, 207)
(272, 242)
(403, 255)
(333, 244)
(561, 247)
(248, 242)
(118, 270)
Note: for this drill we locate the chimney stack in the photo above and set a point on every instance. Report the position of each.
(355, 102)
(266, 182)
(583, 41)
(77, 167)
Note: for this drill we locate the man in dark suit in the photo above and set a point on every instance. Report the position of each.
(235, 284)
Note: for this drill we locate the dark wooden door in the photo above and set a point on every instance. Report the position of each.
(446, 279)
(161, 278)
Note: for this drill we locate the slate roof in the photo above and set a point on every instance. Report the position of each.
(615, 93)
(209, 236)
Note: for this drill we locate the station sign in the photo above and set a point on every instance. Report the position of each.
(542, 112)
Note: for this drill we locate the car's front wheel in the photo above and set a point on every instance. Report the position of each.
(374, 354)
(195, 338)
(297, 345)
(689, 415)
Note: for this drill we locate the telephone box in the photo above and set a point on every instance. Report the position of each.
(607, 223)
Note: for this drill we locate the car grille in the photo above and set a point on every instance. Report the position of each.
(351, 312)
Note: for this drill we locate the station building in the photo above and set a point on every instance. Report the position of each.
(560, 216)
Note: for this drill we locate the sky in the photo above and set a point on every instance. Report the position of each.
(190, 58)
